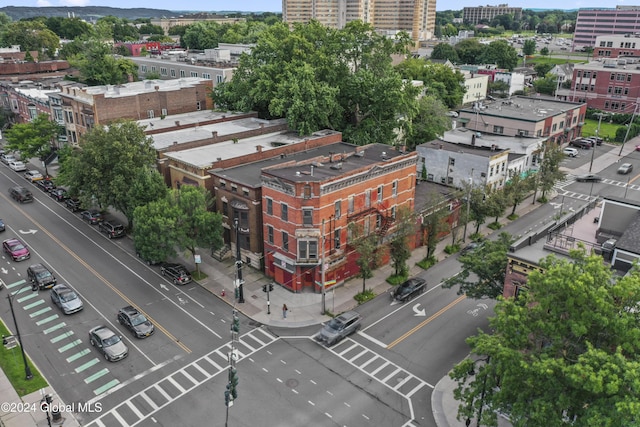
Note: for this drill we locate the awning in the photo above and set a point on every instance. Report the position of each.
(463, 120)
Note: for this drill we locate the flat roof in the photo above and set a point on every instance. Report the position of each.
(145, 86)
(194, 117)
(463, 135)
(523, 108)
(466, 148)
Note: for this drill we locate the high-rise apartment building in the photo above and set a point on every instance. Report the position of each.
(417, 17)
(593, 22)
(481, 14)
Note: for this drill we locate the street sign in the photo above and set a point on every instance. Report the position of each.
(197, 259)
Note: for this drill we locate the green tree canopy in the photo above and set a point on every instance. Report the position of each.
(470, 51)
(529, 47)
(501, 53)
(445, 51)
(439, 80)
(565, 353)
(365, 243)
(430, 121)
(33, 139)
(97, 65)
(30, 36)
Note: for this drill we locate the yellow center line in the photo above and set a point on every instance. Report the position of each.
(424, 322)
(633, 179)
(99, 276)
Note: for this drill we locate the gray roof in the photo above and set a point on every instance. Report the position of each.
(467, 148)
(523, 108)
(630, 240)
(463, 135)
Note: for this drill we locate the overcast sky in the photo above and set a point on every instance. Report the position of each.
(276, 5)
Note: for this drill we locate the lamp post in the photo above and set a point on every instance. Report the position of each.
(240, 282)
(482, 392)
(466, 220)
(27, 370)
(595, 144)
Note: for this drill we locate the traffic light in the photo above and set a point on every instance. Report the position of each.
(235, 324)
(264, 288)
(270, 287)
(233, 382)
(227, 396)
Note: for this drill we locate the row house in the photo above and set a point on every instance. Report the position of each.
(308, 206)
(26, 100)
(171, 67)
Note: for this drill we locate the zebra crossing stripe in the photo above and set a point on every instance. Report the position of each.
(61, 337)
(33, 304)
(54, 328)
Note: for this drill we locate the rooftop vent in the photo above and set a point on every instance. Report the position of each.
(336, 166)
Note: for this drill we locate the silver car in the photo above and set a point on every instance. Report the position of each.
(339, 327)
(108, 343)
(66, 298)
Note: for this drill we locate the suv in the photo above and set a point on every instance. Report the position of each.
(135, 321)
(409, 289)
(6, 158)
(177, 272)
(72, 204)
(112, 230)
(21, 194)
(92, 216)
(339, 327)
(571, 152)
(581, 143)
(41, 277)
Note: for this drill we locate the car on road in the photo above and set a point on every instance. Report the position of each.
(46, 185)
(339, 327)
(66, 298)
(409, 289)
(136, 322)
(7, 158)
(108, 343)
(637, 147)
(92, 216)
(589, 177)
(571, 152)
(73, 204)
(21, 194)
(581, 143)
(176, 272)
(41, 277)
(17, 250)
(470, 247)
(59, 194)
(625, 168)
(33, 175)
(18, 166)
(2, 226)
(111, 229)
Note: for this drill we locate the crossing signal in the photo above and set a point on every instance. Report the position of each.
(235, 324)
(270, 287)
(233, 382)
(264, 288)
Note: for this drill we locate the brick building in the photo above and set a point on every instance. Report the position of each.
(308, 204)
(616, 45)
(594, 22)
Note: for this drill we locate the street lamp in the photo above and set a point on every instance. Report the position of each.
(595, 144)
(27, 370)
(466, 220)
(482, 392)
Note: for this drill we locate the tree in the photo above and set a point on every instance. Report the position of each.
(529, 47)
(153, 225)
(33, 139)
(433, 221)
(399, 245)
(517, 189)
(564, 353)
(501, 53)
(544, 51)
(445, 51)
(550, 172)
(542, 69)
(31, 36)
(546, 85)
(488, 263)
(103, 170)
(98, 66)
(430, 122)
(439, 80)
(496, 203)
(477, 207)
(365, 243)
(146, 185)
(470, 51)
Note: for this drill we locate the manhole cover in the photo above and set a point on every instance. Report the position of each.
(292, 383)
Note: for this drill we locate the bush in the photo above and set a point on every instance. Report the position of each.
(495, 225)
(394, 280)
(427, 263)
(476, 237)
(513, 217)
(452, 249)
(365, 296)
(543, 200)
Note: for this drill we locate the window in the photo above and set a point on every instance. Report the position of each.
(380, 195)
(172, 72)
(555, 126)
(194, 74)
(223, 183)
(394, 188)
(307, 217)
(452, 161)
(561, 124)
(307, 250)
(336, 239)
(150, 114)
(306, 192)
(225, 209)
(234, 188)
(206, 76)
(269, 206)
(270, 234)
(143, 68)
(367, 198)
(284, 212)
(498, 129)
(219, 79)
(243, 219)
(163, 112)
(245, 192)
(285, 241)
(378, 221)
(350, 204)
(163, 71)
(33, 112)
(198, 105)
(183, 73)
(393, 212)
(629, 77)
(491, 171)
(338, 208)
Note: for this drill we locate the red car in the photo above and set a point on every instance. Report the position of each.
(17, 250)
(637, 147)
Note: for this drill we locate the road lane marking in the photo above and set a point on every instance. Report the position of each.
(69, 346)
(16, 284)
(47, 319)
(28, 297)
(106, 387)
(39, 312)
(78, 355)
(61, 337)
(95, 376)
(87, 365)
(33, 304)
(426, 321)
(54, 328)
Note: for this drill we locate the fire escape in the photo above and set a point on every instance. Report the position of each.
(383, 213)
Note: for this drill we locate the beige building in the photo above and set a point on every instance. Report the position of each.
(476, 85)
(168, 23)
(418, 18)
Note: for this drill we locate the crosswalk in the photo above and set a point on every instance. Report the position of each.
(76, 351)
(570, 179)
(160, 394)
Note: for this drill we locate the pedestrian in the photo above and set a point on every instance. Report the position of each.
(284, 311)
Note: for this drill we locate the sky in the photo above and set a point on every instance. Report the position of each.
(276, 5)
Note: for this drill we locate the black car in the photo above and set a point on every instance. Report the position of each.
(92, 216)
(135, 321)
(409, 289)
(45, 185)
(2, 227)
(111, 229)
(470, 248)
(581, 143)
(72, 204)
(40, 277)
(59, 194)
(588, 178)
(176, 272)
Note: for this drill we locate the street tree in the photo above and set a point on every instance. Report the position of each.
(488, 264)
(445, 51)
(33, 139)
(404, 228)
(433, 220)
(153, 225)
(365, 243)
(564, 353)
(145, 185)
(517, 189)
(109, 160)
(529, 47)
(430, 121)
(549, 172)
(477, 207)
(496, 203)
(544, 51)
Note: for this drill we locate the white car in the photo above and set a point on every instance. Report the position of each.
(571, 152)
(33, 175)
(17, 166)
(7, 158)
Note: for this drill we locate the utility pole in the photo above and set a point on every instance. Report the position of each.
(27, 370)
(322, 272)
(466, 220)
(239, 281)
(626, 135)
(595, 144)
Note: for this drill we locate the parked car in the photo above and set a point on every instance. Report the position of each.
(21, 194)
(148, 261)
(409, 289)
(33, 175)
(18, 166)
(637, 147)
(46, 185)
(625, 168)
(339, 327)
(571, 152)
(108, 343)
(66, 298)
(176, 272)
(17, 250)
(92, 216)
(136, 322)
(2, 226)
(7, 158)
(470, 247)
(59, 194)
(581, 143)
(589, 177)
(111, 229)
(40, 276)
(595, 140)
(72, 204)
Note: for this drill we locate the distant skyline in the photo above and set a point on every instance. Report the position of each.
(276, 5)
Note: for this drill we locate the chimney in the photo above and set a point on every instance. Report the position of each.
(177, 122)
(311, 170)
(259, 148)
(214, 134)
(493, 147)
(473, 139)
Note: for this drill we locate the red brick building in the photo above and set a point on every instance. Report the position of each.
(308, 205)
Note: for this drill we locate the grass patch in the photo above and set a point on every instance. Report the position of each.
(542, 199)
(427, 263)
(607, 130)
(365, 296)
(13, 366)
(495, 225)
(452, 249)
(198, 275)
(513, 217)
(476, 237)
(396, 279)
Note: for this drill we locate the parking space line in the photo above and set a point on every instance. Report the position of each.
(187, 376)
(47, 319)
(68, 346)
(403, 382)
(107, 386)
(87, 365)
(27, 297)
(33, 304)
(78, 355)
(163, 392)
(120, 419)
(347, 350)
(54, 328)
(39, 312)
(97, 375)
(218, 367)
(380, 368)
(61, 337)
(388, 377)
